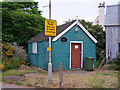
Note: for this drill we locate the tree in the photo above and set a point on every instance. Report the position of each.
(28, 7)
(21, 21)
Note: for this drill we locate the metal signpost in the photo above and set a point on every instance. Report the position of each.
(50, 30)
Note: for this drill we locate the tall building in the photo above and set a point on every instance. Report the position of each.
(112, 29)
(101, 17)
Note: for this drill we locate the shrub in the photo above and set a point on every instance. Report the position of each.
(7, 50)
(115, 63)
(11, 63)
(9, 60)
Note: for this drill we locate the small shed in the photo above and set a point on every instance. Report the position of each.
(112, 29)
(70, 46)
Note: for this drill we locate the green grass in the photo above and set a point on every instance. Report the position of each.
(30, 85)
(19, 83)
(16, 72)
(7, 81)
(103, 79)
(13, 72)
(98, 86)
(105, 74)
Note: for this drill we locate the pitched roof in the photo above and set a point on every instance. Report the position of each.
(41, 37)
(69, 27)
(61, 30)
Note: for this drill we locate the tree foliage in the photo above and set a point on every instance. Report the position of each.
(21, 21)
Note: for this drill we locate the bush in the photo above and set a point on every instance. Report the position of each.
(9, 58)
(115, 63)
(7, 50)
(11, 63)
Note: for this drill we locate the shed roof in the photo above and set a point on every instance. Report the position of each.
(112, 15)
(41, 36)
(61, 30)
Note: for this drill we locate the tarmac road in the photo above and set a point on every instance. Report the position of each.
(5, 85)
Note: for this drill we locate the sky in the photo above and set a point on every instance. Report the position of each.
(63, 10)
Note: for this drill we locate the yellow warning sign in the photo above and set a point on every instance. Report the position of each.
(50, 27)
(49, 49)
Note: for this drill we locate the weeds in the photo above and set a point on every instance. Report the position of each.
(98, 86)
(115, 63)
(16, 72)
(10, 57)
(19, 83)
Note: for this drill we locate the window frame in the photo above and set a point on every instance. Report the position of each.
(34, 47)
(63, 38)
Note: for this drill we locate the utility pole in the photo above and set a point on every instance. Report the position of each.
(49, 64)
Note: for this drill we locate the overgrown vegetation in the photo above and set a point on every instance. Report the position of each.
(9, 61)
(115, 63)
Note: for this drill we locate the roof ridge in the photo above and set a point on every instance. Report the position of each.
(66, 23)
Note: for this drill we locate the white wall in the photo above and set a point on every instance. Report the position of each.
(111, 41)
(101, 16)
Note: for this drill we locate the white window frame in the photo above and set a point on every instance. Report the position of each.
(34, 47)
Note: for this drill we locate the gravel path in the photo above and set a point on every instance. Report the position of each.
(80, 72)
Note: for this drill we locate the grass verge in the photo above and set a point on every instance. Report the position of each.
(13, 72)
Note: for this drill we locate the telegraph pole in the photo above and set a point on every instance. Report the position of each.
(49, 64)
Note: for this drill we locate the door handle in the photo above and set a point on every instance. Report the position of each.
(80, 52)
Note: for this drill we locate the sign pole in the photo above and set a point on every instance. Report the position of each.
(49, 64)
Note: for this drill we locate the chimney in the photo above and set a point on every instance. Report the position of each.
(101, 5)
(101, 13)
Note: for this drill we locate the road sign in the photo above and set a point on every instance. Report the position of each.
(50, 27)
(49, 49)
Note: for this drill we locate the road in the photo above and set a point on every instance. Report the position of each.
(5, 85)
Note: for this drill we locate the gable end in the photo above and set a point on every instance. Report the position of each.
(67, 29)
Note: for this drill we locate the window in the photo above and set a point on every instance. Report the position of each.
(97, 21)
(63, 39)
(76, 46)
(34, 47)
(119, 47)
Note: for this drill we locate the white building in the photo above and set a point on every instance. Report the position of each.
(100, 19)
(112, 29)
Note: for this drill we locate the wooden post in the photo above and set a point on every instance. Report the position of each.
(102, 63)
(61, 74)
